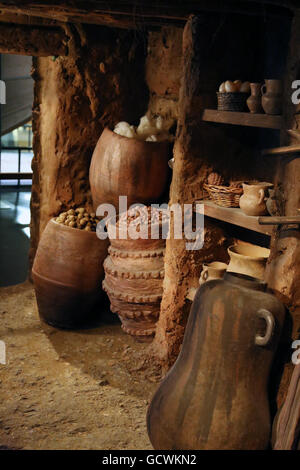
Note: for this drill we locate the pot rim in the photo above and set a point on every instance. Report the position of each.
(265, 184)
(73, 228)
(239, 255)
(148, 143)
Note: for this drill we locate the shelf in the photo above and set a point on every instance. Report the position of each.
(242, 119)
(234, 216)
(291, 149)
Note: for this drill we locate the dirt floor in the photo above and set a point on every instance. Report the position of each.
(59, 389)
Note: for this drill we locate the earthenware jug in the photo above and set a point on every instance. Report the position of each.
(272, 96)
(248, 259)
(253, 199)
(214, 270)
(215, 396)
(254, 100)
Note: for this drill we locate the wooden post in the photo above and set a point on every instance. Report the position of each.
(283, 270)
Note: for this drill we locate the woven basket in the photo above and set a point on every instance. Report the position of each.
(232, 101)
(225, 196)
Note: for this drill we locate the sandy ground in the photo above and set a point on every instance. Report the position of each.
(86, 389)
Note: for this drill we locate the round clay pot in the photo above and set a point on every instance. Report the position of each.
(248, 259)
(67, 274)
(128, 167)
(253, 199)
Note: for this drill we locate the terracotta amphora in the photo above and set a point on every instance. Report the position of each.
(215, 397)
(254, 100)
(248, 259)
(214, 270)
(253, 199)
(272, 97)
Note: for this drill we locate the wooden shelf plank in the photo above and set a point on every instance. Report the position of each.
(242, 119)
(234, 216)
(282, 150)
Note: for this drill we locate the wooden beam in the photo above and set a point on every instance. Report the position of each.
(32, 40)
(138, 13)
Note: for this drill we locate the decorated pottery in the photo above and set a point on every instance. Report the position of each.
(67, 274)
(214, 270)
(253, 199)
(248, 259)
(122, 166)
(272, 97)
(134, 273)
(215, 397)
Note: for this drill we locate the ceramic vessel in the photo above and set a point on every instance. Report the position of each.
(67, 274)
(272, 97)
(134, 273)
(214, 270)
(253, 199)
(127, 167)
(215, 397)
(271, 203)
(248, 259)
(254, 100)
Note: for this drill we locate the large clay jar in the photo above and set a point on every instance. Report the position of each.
(254, 197)
(254, 100)
(248, 259)
(128, 167)
(272, 97)
(215, 396)
(67, 274)
(134, 273)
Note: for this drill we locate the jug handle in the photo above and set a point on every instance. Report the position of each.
(262, 195)
(263, 88)
(269, 319)
(203, 276)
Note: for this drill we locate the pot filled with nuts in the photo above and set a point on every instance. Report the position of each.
(68, 269)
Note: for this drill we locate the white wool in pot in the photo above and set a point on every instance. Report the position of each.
(149, 129)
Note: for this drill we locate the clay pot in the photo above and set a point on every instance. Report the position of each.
(127, 167)
(67, 274)
(134, 273)
(215, 396)
(253, 200)
(210, 271)
(254, 100)
(271, 203)
(248, 259)
(272, 97)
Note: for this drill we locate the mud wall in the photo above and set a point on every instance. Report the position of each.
(109, 76)
(99, 84)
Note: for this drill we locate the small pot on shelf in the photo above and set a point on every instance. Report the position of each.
(254, 100)
(253, 200)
